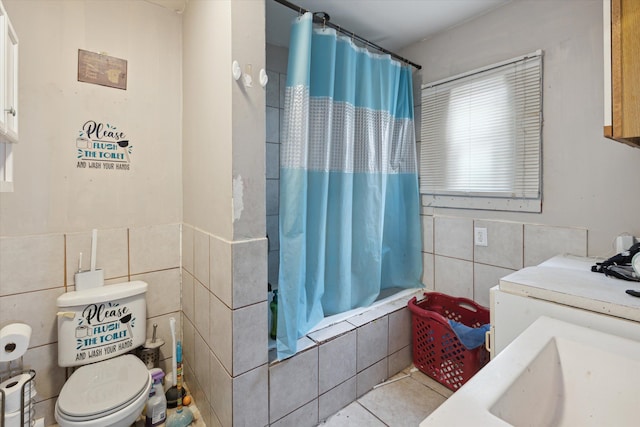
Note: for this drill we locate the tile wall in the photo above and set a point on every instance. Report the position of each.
(455, 266)
(35, 270)
(336, 365)
(224, 303)
(275, 107)
(227, 364)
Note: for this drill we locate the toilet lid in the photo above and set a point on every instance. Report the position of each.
(103, 387)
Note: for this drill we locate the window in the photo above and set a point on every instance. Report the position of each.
(481, 138)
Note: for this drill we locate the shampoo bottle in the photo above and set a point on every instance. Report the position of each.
(157, 404)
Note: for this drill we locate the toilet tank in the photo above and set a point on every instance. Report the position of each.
(101, 323)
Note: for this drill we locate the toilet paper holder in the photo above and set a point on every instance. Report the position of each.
(14, 341)
(17, 397)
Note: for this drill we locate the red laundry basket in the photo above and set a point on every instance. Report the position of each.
(437, 351)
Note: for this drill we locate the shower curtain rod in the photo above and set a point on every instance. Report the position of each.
(324, 19)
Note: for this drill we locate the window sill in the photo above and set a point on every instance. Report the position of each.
(482, 203)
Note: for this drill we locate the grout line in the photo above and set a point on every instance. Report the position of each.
(367, 409)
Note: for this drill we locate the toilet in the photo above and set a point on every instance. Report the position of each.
(97, 328)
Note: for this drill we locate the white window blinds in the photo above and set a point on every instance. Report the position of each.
(481, 132)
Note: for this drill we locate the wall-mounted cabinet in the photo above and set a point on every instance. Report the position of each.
(622, 68)
(8, 99)
(9, 81)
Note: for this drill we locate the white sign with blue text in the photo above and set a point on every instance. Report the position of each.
(103, 146)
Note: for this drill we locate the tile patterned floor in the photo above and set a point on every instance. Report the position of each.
(405, 400)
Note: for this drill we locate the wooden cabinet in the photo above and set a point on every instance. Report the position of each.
(9, 80)
(622, 70)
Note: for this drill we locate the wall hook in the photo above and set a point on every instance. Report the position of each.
(236, 71)
(264, 78)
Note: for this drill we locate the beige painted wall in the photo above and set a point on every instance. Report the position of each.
(248, 35)
(207, 117)
(51, 194)
(588, 181)
(223, 164)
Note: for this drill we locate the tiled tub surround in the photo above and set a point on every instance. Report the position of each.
(35, 270)
(225, 343)
(336, 365)
(454, 265)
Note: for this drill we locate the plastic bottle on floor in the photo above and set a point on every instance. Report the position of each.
(157, 404)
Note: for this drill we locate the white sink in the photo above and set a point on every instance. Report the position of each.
(554, 374)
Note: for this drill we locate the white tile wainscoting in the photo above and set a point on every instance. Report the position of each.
(453, 265)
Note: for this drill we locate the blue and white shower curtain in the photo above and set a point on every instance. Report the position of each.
(349, 202)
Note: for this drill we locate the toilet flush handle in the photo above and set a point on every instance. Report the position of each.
(67, 314)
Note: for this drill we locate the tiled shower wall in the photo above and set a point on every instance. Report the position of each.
(275, 108)
(454, 265)
(35, 270)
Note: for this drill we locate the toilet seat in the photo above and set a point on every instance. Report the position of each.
(98, 390)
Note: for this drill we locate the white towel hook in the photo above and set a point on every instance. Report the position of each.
(264, 78)
(236, 71)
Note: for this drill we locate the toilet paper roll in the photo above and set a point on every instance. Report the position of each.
(12, 390)
(14, 341)
(13, 419)
(29, 394)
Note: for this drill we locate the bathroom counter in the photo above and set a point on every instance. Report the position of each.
(568, 280)
(554, 373)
